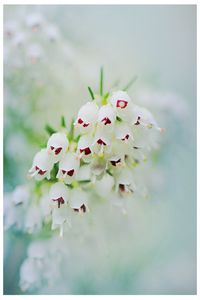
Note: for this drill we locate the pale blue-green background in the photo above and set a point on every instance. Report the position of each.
(158, 43)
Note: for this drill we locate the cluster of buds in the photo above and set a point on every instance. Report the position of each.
(108, 138)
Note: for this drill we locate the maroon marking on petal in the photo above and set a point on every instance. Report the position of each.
(100, 142)
(106, 121)
(80, 121)
(57, 151)
(138, 121)
(60, 201)
(63, 171)
(52, 147)
(87, 151)
(70, 172)
(122, 187)
(41, 172)
(86, 124)
(115, 162)
(122, 103)
(83, 208)
(135, 147)
(76, 209)
(126, 137)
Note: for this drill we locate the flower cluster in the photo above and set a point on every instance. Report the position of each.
(108, 138)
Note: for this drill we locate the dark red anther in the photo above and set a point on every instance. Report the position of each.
(138, 121)
(80, 121)
(100, 142)
(115, 162)
(126, 137)
(52, 147)
(85, 124)
(60, 201)
(87, 151)
(63, 171)
(70, 172)
(106, 121)
(83, 208)
(57, 151)
(122, 187)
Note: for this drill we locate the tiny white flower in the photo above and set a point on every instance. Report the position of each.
(34, 21)
(30, 275)
(68, 167)
(45, 206)
(106, 115)
(42, 165)
(20, 195)
(102, 141)
(120, 100)
(124, 181)
(116, 160)
(87, 117)
(142, 116)
(57, 145)
(84, 148)
(104, 186)
(59, 218)
(10, 28)
(52, 33)
(78, 200)
(33, 220)
(84, 173)
(98, 166)
(34, 53)
(58, 194)
(123, 132)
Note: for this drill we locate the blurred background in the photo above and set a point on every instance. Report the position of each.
(51, 54)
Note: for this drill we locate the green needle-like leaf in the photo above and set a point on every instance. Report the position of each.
(101, 81)
(62, 122)
(49, 129)
(130, 83)
(91, 93)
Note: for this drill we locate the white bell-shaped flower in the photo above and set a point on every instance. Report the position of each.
(84, 173)
(34, 21)
(20, 195)
(87, 117)
(57, 145)
(84, 148)
(34, 53)
(117, 160)
(52, 33)
(123, 133)
(102, 141)
(45, 206)
(106, 115)
(142, 116)
(30, 275)
(120, 100)
(33, 220)
(68, 167)
(104, 186)
(42, 165)
(124, 181)
(59, 218)
(58, 194)
(78, 200)
(98, 166)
